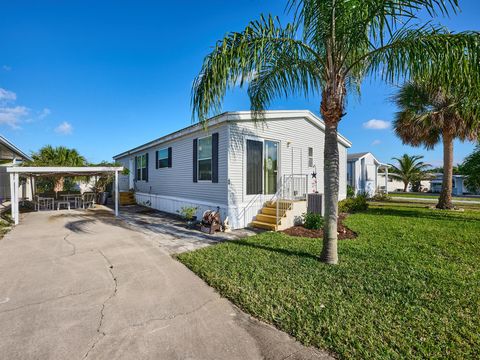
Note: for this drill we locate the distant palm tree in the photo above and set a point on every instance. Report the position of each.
(409, 169)
(326, 51)
(428, 115)
(57, 156)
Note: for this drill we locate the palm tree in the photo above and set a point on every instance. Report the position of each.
(330, 46)
(57, 156)
(409, 169)
(429, 115)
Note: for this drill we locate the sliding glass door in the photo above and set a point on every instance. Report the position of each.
(270, 169)
(262, 167)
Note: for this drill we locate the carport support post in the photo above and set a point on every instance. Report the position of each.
(386, 179)
(12, 195)
(15, 191)
(116, 193)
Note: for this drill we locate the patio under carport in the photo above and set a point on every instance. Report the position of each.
(48, 171)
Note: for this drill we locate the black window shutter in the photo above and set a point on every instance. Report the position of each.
(254, 167)
(146, 164)
(156, 159)
(215, 158)
(135, 177)
(170, 157)
(195, 154)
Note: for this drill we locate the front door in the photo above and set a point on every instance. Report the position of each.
(262, 167)
(270, 168)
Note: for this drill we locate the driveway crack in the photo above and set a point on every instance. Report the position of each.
(170, 317)
(46, 301)
(74, 248)
(100, 332)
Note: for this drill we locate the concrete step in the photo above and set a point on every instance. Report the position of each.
(272, 211)
(283, 204)
(271, 219)
(264, 225)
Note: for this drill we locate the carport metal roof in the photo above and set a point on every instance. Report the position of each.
(44, 171)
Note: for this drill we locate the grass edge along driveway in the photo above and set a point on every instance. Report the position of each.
(407, 287)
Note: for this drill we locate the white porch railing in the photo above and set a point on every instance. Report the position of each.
(291, 188)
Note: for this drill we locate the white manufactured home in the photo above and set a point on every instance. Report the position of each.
(363, 176)
(234, 164)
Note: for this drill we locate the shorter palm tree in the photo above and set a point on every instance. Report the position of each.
(57, 156)
(428, 115)
(409, 169)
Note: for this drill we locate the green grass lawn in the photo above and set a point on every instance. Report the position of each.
(407, 287)
(430, 196)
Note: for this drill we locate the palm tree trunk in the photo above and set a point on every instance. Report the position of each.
(329, 253)
(331, 108)
(445, 199)
(405, 186)
(59, 184)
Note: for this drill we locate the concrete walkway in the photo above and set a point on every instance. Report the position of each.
(83, 285)
(170, 233)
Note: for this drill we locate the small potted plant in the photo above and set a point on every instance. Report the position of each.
(190, 214)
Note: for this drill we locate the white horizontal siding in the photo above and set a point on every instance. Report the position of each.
(177, 181)
(174, 205)
(295, 136)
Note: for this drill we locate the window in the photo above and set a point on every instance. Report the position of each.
(310, 157)
(141, 161)
(162, 156)
(205, 158)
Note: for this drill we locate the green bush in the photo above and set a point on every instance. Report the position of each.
(381, 197)
(350, 191)
(312, 221)
(351, 205)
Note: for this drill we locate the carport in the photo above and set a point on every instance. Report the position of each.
(48, 171)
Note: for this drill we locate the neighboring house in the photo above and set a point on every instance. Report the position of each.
(233, 163)
(362, 173)
(10, 155)
(394, 183)
(458, 184)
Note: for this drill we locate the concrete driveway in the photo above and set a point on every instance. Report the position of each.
(81, 285)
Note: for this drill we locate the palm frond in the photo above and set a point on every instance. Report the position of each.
(240, 56)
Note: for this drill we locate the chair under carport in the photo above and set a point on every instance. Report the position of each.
(49, 171)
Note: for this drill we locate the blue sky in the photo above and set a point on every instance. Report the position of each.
(105, 76)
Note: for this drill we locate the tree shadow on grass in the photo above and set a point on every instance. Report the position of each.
(283, 251)
(432, 214)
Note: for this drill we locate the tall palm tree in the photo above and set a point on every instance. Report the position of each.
(329, 47)
(57, 156)
(409, 169)
(427, 115)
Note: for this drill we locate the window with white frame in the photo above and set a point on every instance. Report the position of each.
(205, 158)
(141, 162)
(162, 158)
(310, 157)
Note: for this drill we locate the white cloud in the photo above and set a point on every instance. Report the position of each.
(375, 124)
(376, 142)
(44, 113)
(64, 128)
(7, 96)
(12, 116)
(6, 67)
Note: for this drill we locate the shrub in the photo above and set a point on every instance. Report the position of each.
(312, 221)
(381, 197)
(350, 191)
(188, 212)
(351, 205)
